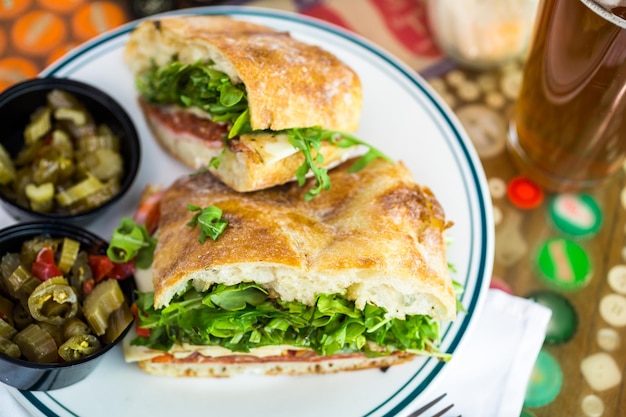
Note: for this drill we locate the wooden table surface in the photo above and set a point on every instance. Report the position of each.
(592, 360)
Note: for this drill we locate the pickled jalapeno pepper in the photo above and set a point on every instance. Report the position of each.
(53, 301)
(77, 347)
(44, 314)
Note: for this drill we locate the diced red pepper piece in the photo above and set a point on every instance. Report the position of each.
(122, 270)
(100, 266)
(142, 332)
(149, 210)
(88, 286)
(44, 266)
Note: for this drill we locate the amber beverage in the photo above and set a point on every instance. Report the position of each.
(569, 127)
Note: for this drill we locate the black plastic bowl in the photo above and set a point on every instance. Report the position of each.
(19, 102)
(32, 376)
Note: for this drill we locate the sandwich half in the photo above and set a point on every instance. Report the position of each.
(353, 279)
(250, 103)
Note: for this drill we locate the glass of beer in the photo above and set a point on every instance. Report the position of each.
(569, 126)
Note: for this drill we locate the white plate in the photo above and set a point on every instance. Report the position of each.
(403, 117)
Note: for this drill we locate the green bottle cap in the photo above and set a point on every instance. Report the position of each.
(577, 215)
(563, 264)
(545, 381)
(564, 320)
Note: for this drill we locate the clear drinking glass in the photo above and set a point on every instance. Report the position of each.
(482, 33)
(569, 127)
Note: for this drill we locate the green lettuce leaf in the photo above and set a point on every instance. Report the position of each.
(242, 317)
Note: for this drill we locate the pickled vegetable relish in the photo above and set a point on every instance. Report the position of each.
(58, 303)
(69, 164)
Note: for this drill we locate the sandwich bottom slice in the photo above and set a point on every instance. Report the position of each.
(355, 278)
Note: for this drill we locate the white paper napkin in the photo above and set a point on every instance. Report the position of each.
(488, 374)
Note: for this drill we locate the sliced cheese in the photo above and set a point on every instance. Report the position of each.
(143, 279)
(271, 147)
(140, 353)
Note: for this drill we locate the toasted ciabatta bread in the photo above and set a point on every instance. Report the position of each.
(289, 84)
(376, 236)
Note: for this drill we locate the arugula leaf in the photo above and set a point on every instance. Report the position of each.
(129, 240)
(344, 140)
(197, 85)
(234, 299)
(242, 317)
(308, 140)
(458, 292)
(210, 221)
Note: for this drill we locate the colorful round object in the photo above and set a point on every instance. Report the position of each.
(613, 309)
(38, 32)
(60, 51)
(564, 320)
(527, 413)
(545, 381)
(576, 214)
(524, 193)
(3, 41)
(499, 284)
(96, 17)
(592, 406)
(15, 69)
(497, 187)
(617, 278)
(61, 6)
(608, 339)
(12, 9)
(563, 264)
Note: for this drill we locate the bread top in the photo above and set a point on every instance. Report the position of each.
(375, 236)
(289, 83)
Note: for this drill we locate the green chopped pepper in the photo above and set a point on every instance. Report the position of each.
(9, 348)
(118, 322)
(78, 347)
(36, 344)
(100, 303)
(6, 329)
(75, 327)
(53, 301)
(69, 252)
(39, 126)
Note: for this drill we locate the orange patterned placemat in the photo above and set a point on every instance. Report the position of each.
(34, 33)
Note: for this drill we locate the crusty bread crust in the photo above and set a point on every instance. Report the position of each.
(289, 83)
(222, 369)
(375, 236)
